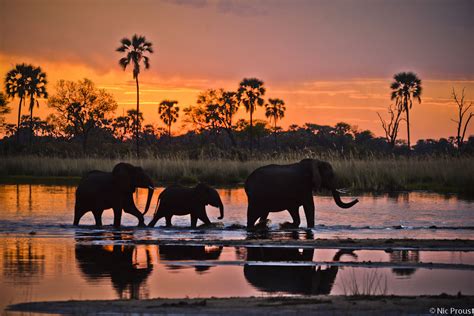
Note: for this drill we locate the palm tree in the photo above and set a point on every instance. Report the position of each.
(15, 86)
(275, 110)
(405, 88)
(169, 113)
(250, 94)
(35, 88)
(135, 50)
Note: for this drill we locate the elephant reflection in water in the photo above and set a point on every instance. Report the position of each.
(195, 253)
(120, 263)
(404, 256)
(290, 279)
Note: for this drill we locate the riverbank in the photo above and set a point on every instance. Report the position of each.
(334, 305)
(444, 175)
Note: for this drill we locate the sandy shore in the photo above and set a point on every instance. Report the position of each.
(333, 305)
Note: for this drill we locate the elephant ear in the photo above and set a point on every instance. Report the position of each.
(316, 175)
(326, 173)
(202, 193)
(123, 177)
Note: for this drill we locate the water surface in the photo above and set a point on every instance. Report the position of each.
(44, 257)
(48, 210)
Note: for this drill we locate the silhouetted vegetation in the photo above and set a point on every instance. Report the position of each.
(406, 87)
(442, 174)
(135, 53)
(215, 149)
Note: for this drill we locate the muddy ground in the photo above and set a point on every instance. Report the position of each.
(332, 305)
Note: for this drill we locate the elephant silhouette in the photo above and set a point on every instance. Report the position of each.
(117, 262)
(304, 280)
(182, 253)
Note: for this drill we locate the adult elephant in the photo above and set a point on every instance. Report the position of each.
(100, 190)
(291, 279)
(276, 188)
(179, 200)
(122, 264)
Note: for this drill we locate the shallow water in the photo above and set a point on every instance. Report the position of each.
(38, 269)
(43, 257)
(48, 211)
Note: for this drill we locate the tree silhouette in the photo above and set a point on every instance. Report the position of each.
(275, 110)
(391, 127)
(463, 107)
(169, 113)
(4, 109)
(405, 88)
(135, 50)
(15, 86)
(81, 108)
(214, 111)
(231, 106)
(35, 88)
(250, 94)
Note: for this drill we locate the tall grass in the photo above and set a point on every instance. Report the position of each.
(371, 174)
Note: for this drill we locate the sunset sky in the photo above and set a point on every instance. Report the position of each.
(329, 60)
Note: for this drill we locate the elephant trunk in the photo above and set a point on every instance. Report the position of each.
(148, 199)
(221, 209)
(337, 199)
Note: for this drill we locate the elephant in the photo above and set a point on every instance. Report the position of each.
(185, 252)
(100, 190)
(275, 188)
(303, 279)
(117, 262)
(179, 200)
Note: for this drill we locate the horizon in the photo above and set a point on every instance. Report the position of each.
(316, 78)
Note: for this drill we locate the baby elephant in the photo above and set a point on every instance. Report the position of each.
(179, 200)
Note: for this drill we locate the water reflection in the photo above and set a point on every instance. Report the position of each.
(23, 261)
(290, 279)
(294, 234)
(127, 266)
(404, 256)
(181, 253)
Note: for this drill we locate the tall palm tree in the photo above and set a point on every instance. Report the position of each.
(15, 86)
(406, 87)
(250, 93)
(275, 110)
(35, 88)
(135, 52)
(169, 113)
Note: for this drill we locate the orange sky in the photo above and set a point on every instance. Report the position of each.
(330, 61)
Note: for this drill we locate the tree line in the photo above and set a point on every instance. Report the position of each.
(84, 114)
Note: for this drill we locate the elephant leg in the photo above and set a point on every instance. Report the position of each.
(295, 215)
(77, 216)
(252, 216)
(135, 212)
(117, 216)
(309, 212)
(98, 217)
(168, 220)
(155, 219)
(203, 217)
(194, 220)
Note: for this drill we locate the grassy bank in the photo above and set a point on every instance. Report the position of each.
(436, 174)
